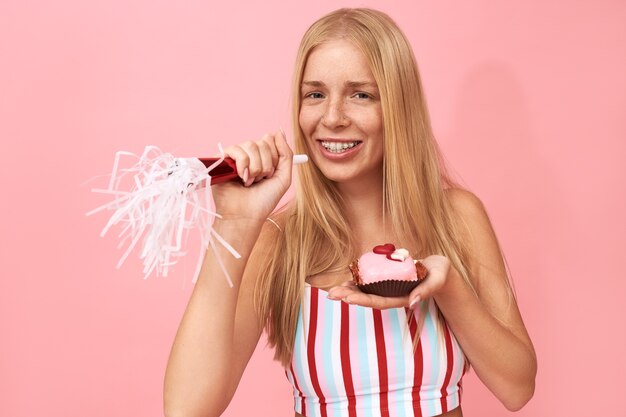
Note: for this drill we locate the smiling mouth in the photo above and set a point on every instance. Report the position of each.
(338, 147)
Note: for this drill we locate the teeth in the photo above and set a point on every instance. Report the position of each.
(338, 147)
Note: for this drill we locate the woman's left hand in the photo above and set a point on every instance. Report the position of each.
(438, 267)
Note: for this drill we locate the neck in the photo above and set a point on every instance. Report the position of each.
(364, 210)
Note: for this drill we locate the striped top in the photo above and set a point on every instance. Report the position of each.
(350, 360)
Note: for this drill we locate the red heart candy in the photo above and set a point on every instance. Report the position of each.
(386, 249)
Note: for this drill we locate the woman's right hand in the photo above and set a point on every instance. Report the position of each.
(265, 167)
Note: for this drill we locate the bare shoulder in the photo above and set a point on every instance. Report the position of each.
(479, 238)
(465, 203)
(471, 218)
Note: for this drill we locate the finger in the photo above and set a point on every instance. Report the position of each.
(270, 140)
(267, 165)
(438, 267)
(255, 166)
(285, 156)
(425, 290)
(415, 297)
(352, 295)
(375, 301)
(340, 292)
(436, 262)
(241, 158)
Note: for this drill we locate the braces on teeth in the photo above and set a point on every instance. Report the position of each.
(338, 148)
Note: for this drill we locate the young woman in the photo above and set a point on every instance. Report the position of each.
(374, 176)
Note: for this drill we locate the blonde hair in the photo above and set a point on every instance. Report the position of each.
(316, 236)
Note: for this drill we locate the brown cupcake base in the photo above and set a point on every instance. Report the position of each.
(390, 287)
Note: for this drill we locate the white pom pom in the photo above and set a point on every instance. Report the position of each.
(165, 202)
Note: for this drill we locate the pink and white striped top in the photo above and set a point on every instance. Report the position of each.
(350, 360)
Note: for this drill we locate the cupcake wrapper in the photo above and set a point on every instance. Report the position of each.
(390, 287)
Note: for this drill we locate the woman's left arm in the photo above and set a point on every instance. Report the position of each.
(488, 324)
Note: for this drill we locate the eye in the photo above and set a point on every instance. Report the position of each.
(362, 95)
(314, 95)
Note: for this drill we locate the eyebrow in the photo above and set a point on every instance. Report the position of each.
(353, 84)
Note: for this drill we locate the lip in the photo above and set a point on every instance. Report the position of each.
(339, 156)
(338, 140)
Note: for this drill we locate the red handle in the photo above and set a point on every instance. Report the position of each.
(225, 171)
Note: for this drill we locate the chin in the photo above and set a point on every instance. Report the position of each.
(340, 176)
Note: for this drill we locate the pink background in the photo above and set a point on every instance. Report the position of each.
(527, 102)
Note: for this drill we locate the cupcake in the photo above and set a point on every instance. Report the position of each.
(387, 271)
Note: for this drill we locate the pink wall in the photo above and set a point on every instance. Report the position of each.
(528, 104)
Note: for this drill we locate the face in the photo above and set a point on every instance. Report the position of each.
(340, 113)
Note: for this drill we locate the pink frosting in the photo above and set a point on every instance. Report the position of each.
(374, 267)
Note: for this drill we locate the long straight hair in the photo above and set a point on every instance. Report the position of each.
(316, 237)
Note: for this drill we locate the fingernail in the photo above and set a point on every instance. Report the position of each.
(245, 175)
(250, 181)
(345, 300)
(415, 301)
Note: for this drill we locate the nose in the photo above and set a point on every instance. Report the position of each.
(334, 114)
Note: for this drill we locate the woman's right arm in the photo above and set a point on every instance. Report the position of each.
(220, 329)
